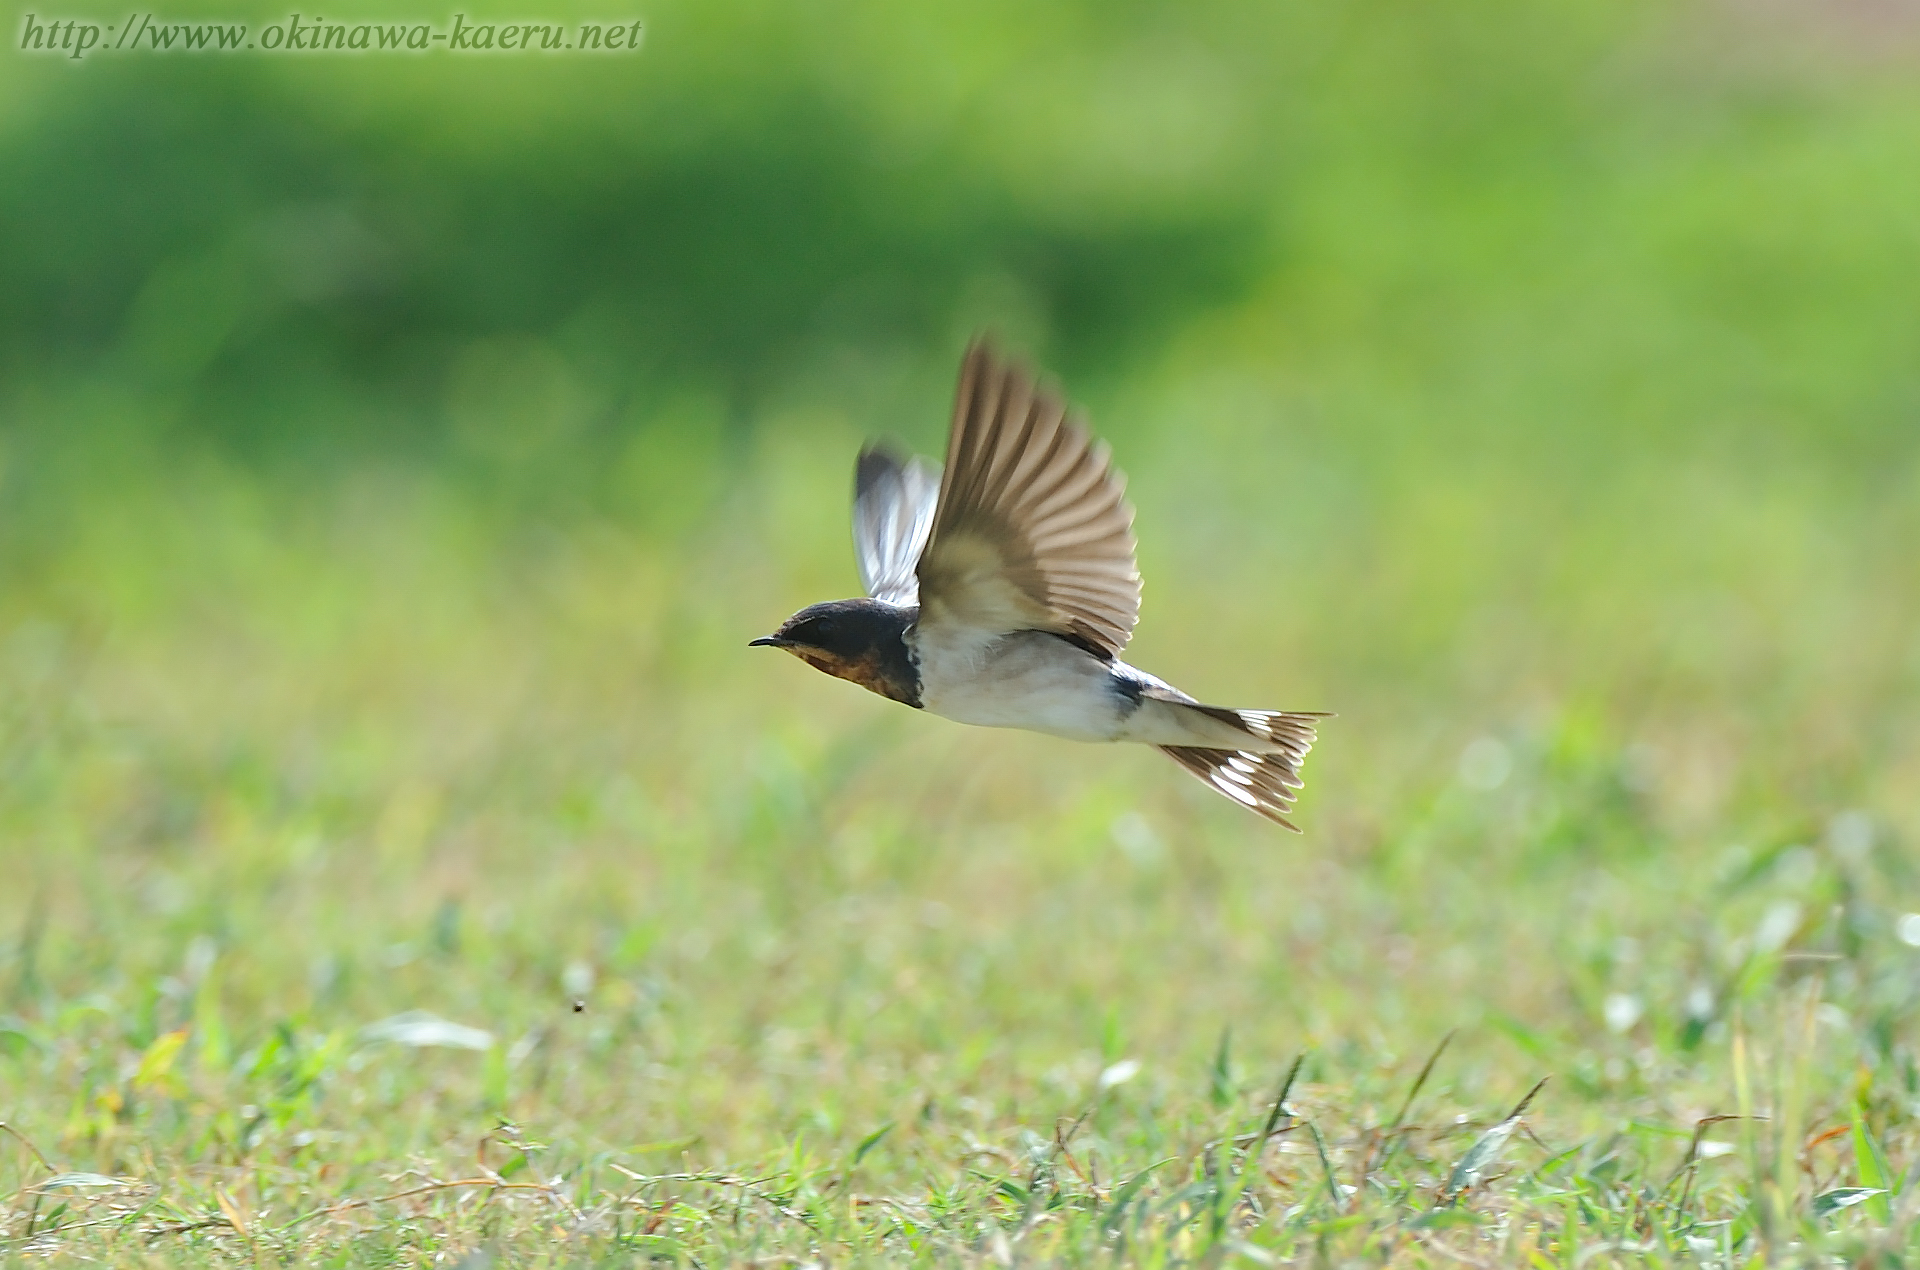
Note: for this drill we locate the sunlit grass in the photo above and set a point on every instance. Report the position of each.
(389, 881)
(403, 859)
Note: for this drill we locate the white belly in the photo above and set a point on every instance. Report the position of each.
(1024, 680)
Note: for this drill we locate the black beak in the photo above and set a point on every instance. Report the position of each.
(767, 641)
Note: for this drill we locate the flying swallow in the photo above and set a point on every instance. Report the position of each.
(1002, 590)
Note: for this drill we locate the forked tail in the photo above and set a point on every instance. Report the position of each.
(1261, 778)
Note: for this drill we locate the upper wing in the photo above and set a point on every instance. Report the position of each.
(893, 500)
(1032, 532)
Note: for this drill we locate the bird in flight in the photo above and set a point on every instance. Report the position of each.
(1002, 590)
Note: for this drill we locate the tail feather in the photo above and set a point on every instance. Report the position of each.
(1262, 780)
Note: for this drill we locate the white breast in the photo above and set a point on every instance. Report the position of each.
(1024, 680)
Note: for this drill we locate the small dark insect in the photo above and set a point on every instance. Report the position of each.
(579, 1007)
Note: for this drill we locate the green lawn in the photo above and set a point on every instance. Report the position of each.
(404, 861)
(289, 776)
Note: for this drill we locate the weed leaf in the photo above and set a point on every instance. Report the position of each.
(1486, 1149)
(421, 1030)
(869, 1142)
(79, 1180)
(1871, 1164)
(1828, 1203)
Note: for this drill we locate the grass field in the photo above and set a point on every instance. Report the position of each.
(291, 777)
(404, 861)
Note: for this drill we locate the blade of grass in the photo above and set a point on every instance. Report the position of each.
(1871, 1164)
(1390, 1135)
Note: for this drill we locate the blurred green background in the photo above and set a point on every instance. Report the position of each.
(396, 454)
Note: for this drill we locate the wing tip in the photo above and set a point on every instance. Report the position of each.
(1015, 437)
(987, 359)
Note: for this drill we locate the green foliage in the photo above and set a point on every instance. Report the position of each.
(405, 861)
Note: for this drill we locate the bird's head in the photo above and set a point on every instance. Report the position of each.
(861, 640)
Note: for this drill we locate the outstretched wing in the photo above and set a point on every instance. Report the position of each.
(893, 501)
(1032, 531)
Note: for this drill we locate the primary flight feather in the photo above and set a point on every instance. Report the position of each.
(1002, 589)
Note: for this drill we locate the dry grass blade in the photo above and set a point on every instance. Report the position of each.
(748, 1187)
(231, 1211)
(1420, 1081)
(1690, 1161)
(26, 1142)
(1389, 1136)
